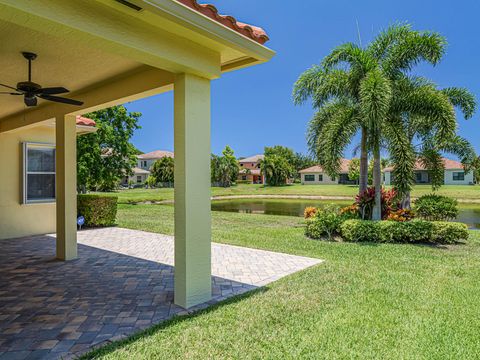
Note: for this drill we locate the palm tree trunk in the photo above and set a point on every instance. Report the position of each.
(363, 184)
(406, 201)
(377, 183)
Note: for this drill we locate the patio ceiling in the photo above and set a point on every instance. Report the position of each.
(60, 63)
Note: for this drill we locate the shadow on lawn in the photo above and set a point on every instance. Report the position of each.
(115, 345)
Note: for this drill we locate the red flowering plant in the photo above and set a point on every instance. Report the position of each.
(366, 200)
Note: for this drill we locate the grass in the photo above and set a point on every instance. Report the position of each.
(365, 301)
(465, 193)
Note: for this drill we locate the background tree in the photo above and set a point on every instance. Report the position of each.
(354, 169)
(276, 169)
(163, 170)
(107, 155)
(297, 161)
(224, 169)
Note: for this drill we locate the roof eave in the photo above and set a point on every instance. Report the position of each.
(253, 52)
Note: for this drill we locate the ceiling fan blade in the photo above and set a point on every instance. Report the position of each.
(60, 99)
(30, 101)
(9, 93)
(52, 90)
(10, 87)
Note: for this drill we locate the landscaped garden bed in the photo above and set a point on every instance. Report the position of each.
(352, 223)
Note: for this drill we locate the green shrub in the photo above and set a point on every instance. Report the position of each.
(415, 231)
(405, 232)
(449, 232)
(324, 223)
(98, 210)
(360, 230)
(436, 207)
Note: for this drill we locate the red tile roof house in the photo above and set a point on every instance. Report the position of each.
(454, 174)
(250, 170)
(144, 163)
(315, 175)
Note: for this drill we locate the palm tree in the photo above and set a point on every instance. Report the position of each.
(367, 89)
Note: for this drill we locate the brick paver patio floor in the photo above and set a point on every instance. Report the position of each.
(122, 282)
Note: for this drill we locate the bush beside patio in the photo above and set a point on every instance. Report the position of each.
(98, 210)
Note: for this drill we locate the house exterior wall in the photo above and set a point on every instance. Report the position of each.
(254, 179)
(448, 178)
(145, 164)
(17, 219)
(387, 175)
(326, 180)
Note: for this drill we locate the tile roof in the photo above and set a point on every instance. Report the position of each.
(157, 154)
(84, 121)
(253, 32)
(449, 165)
(252, 159)
(318, 169)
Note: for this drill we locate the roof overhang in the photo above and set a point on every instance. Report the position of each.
(107, 53)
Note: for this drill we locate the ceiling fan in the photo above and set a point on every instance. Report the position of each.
(31, 91)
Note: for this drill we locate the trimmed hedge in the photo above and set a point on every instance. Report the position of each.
(98, 210)
(415, 231)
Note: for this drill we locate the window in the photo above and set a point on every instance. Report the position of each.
(459, 176)
(39, 173)
(309, 177)
(139, 179)
(418, 177)
(320, 177)
(244, 177)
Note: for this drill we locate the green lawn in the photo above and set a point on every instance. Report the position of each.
(460, 192)
(366, 301)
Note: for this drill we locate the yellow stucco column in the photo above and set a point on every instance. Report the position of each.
(66, 182)
(192, 190)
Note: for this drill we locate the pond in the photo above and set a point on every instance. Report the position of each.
(469, 213)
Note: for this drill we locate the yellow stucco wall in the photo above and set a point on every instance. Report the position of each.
(16, 219)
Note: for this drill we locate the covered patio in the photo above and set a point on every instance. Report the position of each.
(121, 282)
(108, 52)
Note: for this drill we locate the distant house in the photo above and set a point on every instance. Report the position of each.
(315, 175)
(144, 163)
(454, 174)
(250, 169)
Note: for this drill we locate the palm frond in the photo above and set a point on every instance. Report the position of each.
(463, 99)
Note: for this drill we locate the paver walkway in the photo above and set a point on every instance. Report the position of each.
(122, 282)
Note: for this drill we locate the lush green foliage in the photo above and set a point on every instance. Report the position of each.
(372, 90)
(324, 223)
(415, 231)
(297, 161)
(162, 171)
(224, 169)
(277, 170)
(107, 155)
(436, 207)
(98, 210)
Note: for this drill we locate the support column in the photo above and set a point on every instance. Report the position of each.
(192, 190)
(66, 184)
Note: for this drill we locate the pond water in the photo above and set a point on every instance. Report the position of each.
(469, 213)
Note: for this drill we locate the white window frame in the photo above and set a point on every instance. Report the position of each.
(25, 147)
(310, 176)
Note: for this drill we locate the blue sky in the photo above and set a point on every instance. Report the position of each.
(252, 108)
